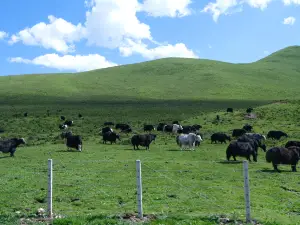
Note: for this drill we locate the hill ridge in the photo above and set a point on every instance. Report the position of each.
(275, 77)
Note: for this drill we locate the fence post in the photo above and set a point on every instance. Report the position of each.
(247, 191)
(139, 188)
(50, 178)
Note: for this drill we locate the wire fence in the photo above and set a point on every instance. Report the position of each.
(83, 187)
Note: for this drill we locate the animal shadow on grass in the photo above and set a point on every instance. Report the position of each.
(2, 157)
(265, 170)
(178, 150)
(131, 149)
(174, 150)
(66, 151)
(230, 162)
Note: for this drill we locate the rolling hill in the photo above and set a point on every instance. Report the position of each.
(274, 77)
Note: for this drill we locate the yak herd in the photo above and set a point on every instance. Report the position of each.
(245, 143)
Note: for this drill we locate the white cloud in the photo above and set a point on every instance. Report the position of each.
(170, 8)
(289, 20)
(261, 4)
(163, 51)
(59, 35)
(110, 22)
(3, 35)
(289, 2)
(227, 7)
(266, 52)
(68, 62)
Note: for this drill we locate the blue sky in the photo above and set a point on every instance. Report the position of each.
(52, 36)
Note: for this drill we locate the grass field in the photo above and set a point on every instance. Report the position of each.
(97, 185)
(177, 185)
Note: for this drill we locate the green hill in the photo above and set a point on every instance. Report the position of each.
(274, 77)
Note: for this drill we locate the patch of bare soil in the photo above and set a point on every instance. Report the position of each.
(134, 218)
(225, 220)
(281, 102)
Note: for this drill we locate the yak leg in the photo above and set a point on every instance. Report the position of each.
(234, 158)
(228, 157)
(294, 168)
(12, 153)
(275, 167)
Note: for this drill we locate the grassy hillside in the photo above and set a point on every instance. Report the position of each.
(274, 77)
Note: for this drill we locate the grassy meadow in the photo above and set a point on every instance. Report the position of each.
(98, 186)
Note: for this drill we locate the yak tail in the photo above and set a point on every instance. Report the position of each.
(269, 156)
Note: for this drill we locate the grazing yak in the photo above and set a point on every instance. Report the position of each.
(79, 115)
(72, 141)
(220, 137)
(122, 126)
(249, 110)
(247, 128)
(282, 155)
(186, 130)
(142, 140)
(109, 124)
(172, 128)
(149, 128)
(160, 126)
(256, 136)
(188, 140)
(110, 136)
(69, 122)
(276, 134)
(292, 143)
(62, 117)
(106, 129)
(10, 145)
(243, 149)
(125, 128)
(253, 141)
(62, 126)
(230, 110)
(238, 132)
(25, 114)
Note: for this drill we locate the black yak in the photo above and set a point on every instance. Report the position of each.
(230, 110)
(142, 140)
(282, 155)
(292, 143)
(68, 122)
(238, 132)
(148, 127)
(106, 129)
(247, 127)
(10, 145)
(276, 134)
(220, 137)
(253, 141)
(160, 126)
(110, 136)
(72, 141)
(243, 149)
